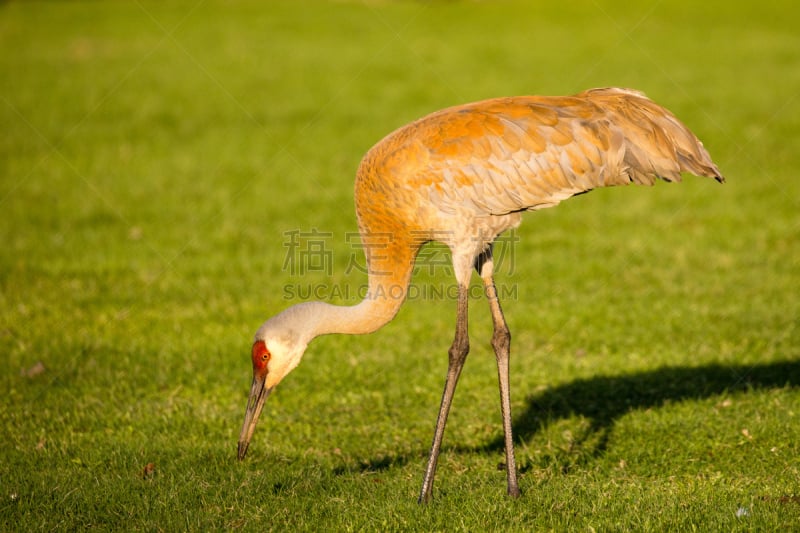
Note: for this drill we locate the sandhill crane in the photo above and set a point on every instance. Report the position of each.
(462, 176)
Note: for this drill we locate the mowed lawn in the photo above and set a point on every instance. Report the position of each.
(172, 174)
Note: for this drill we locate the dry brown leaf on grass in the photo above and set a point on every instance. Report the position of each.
(149, 471)
(33, 371)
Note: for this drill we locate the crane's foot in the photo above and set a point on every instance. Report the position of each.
(426, 492)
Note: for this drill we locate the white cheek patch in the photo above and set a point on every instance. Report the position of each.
(283, 361)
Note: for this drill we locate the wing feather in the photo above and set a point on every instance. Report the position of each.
(513, 154)
(544, 150)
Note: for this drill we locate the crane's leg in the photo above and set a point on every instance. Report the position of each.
(457, 356)
(501, 342)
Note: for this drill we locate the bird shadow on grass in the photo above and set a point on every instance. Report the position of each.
(602, 400)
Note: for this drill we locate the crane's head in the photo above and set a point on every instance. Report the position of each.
(277, 350)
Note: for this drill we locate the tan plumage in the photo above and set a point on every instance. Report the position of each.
(511, 154)
(462, 176)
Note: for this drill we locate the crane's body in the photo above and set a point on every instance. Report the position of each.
(462, 176)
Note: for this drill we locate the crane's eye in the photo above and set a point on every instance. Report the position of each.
(260, 356)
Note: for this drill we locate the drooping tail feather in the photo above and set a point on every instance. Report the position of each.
(656, 143)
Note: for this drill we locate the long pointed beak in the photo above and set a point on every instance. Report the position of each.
(258, 395)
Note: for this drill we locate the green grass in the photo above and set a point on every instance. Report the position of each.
(152, 158)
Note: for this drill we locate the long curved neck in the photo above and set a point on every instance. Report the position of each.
(390, 269)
